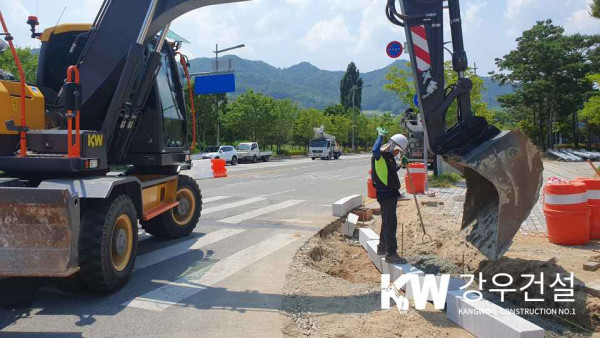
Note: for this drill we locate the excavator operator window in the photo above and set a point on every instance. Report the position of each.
(173, 120)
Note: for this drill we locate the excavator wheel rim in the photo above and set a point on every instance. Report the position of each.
(123, 226)
(184, 196)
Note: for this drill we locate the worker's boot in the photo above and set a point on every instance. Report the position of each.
(394, 259)
(381, 251)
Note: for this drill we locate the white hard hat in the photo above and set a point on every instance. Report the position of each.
(401, 141)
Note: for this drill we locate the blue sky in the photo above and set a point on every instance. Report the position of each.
(326, 33)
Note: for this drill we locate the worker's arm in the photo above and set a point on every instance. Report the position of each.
(377, 147)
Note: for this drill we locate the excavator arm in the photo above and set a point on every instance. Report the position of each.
(503, 169)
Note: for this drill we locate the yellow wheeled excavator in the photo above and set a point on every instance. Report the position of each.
(107, 94)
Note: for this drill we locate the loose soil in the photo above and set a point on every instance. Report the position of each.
(333, 288)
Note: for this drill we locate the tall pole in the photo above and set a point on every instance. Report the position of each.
(217, 97)
(353, 118)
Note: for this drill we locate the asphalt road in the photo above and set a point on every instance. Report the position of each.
(225, 279)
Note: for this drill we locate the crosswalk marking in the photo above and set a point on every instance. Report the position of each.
(169, 252)
(175, 292)
(259, 212)
(232, 205)
(214, 199)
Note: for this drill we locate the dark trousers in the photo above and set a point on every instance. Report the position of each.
(389, 224)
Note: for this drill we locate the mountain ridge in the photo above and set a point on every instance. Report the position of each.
(311, 86)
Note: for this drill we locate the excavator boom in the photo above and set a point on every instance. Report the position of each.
(503, 169)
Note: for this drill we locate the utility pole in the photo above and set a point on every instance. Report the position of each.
(355, 87)
(217, 51)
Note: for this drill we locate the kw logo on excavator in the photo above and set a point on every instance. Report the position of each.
(95, 140)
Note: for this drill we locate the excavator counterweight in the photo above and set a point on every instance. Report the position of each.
(503, 169)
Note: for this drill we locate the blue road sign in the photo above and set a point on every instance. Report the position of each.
(215, 84)
(394, 49)
(416, 101)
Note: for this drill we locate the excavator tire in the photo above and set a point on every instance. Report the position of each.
(181, 220)
(108, 244)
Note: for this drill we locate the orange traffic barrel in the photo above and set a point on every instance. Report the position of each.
(593, 195)
(219, 169)
(418, 172)
(567, 213)
(371, 191)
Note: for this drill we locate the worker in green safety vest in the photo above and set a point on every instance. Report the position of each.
(384, 171)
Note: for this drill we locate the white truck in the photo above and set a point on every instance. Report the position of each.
(324, 146)
(250, 151)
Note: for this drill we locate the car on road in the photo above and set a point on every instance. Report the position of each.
(250, 151)
(227, 153)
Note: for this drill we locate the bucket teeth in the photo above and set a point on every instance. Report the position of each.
(504, 178)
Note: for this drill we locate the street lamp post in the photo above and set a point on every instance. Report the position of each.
(217, 51)
(355, 87)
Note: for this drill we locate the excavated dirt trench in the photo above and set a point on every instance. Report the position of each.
(448, 253)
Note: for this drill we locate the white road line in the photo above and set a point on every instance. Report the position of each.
(259, 212)
(328, 177)
(175, 292)
(278, 193)
(175, 250)
(233, 184)
(232, 205)
(214, 199)
(347, 178)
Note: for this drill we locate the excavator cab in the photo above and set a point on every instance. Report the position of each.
(503, 169)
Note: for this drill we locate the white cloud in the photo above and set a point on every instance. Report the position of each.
(326, 32)
(581, 21)
(349, 5)
(302, 4)
(472, 17)
(513, 8)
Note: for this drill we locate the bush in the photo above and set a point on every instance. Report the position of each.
(297, 152)
(447, 180)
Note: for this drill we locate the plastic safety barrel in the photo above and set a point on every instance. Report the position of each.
(371, 191)
(567, 213)
(593, 196)
(218, 167)
(418, 172)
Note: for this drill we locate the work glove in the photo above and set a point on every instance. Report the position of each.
(381, 131)
(404, 162)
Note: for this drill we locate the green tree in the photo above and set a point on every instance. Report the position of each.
(351, 88)
(334, 110)
(548, 69)
(595, 9)
(341, 128)
(250, 116)
(285, 113)
(29, 61)
(590, 113)
(304, 124)
(402, 84)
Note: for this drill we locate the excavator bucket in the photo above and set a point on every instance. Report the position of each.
(504, 178)
(39, 232)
